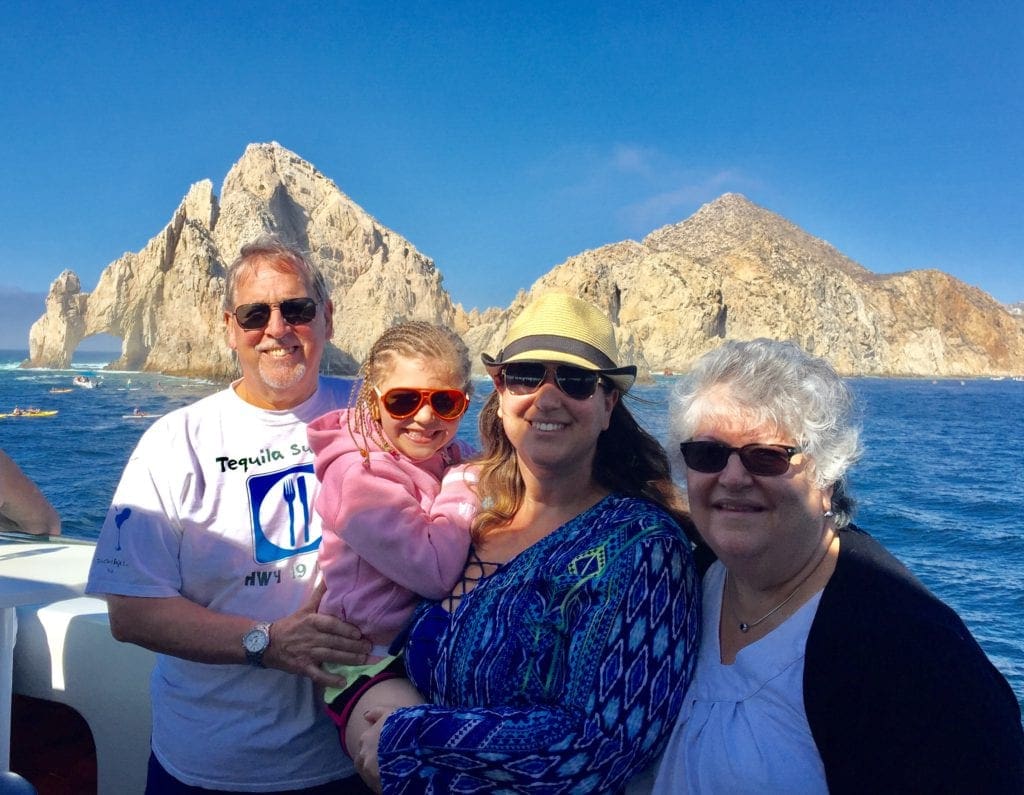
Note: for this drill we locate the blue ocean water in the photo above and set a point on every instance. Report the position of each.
(941, 483)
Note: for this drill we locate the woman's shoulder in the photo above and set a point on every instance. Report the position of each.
(634, 520)
(873, 595)
(867, 570)
(639, 511)
(608, 541)
(895, 682)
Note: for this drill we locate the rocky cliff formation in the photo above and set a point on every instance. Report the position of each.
(732, 270)
(165, 301)
(735, 270)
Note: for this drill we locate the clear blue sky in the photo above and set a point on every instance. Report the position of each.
(502, 139)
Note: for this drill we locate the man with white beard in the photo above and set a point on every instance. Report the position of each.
(208, 553)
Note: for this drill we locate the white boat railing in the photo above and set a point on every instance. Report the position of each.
(57, 646)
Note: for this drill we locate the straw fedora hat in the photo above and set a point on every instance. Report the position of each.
(559, 328)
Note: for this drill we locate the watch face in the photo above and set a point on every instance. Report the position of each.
(255, 640)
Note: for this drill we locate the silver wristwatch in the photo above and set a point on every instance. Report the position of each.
(256, 641)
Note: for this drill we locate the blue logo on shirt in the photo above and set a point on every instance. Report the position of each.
(282, 514)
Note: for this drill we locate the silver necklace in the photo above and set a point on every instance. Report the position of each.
(745, 627)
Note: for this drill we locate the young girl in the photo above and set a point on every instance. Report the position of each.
(396, 502)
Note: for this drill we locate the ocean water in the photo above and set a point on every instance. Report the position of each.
(941, 483)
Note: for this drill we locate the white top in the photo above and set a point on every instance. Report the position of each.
(743, 727)
(209, 508)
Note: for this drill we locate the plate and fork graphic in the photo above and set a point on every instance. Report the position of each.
(266, 493)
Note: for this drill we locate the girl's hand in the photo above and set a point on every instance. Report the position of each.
(362, 734)
(366, 759)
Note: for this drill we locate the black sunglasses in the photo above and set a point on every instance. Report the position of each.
(759, 459)
(295, 311)
(403, 402)
(525, 378)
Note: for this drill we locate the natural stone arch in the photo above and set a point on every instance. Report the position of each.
(165, 302)
(92, 344)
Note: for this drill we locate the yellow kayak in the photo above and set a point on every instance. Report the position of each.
(29, 413)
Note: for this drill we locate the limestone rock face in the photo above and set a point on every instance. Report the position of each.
(59, 331)
(736, 271)
(165, 302)
(376, 276)
(732, 270)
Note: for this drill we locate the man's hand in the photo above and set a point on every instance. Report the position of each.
(302, 642)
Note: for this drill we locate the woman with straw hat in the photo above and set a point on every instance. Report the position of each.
(559, 661)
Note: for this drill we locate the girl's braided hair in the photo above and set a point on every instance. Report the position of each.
(414, 339)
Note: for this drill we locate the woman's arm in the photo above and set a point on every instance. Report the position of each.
(23, 504)
(914, 704)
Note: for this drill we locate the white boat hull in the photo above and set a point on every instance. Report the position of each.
(64, 652)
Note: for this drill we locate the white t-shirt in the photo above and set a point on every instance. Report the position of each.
(743, 728)
(216, 505)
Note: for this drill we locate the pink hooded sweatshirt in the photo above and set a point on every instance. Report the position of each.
(394, 530)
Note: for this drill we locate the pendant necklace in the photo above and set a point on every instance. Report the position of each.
(744, 627)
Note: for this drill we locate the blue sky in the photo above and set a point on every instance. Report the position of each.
(501, 139)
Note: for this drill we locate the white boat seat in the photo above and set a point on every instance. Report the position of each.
(104, 680)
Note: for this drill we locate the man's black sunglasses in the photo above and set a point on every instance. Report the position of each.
(295, 311)
(525, 378)
(759, 459)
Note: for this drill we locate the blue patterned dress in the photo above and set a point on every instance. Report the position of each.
(561, 672)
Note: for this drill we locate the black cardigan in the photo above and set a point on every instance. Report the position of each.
(898, 694)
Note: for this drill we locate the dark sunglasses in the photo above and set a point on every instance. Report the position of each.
(525, 378)
(404, 402)
(295, 311)
(759, 459)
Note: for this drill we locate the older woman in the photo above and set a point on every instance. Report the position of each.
(825, 666)
(559, 662)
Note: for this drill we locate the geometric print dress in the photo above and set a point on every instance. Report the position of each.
(563, 671)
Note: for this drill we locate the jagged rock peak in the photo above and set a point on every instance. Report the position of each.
(733, 223)
(200, 205)
(376, 276)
